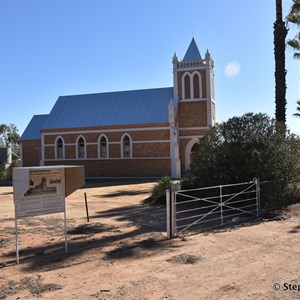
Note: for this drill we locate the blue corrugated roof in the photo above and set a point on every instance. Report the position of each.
(107, 109)
(192, 52)
(32, 131)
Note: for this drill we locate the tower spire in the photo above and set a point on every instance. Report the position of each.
(192, 52)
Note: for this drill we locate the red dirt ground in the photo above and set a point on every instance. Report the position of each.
(123, 253)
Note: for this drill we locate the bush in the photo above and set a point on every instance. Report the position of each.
(244, 148)
(158, 193)
(3, 173)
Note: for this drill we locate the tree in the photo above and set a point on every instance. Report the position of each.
(280, 32)
(244, 148)
(294, 18)
(9, 135)
(298, 109)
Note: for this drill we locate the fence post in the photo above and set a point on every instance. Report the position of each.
(258, 197)
(221, 205)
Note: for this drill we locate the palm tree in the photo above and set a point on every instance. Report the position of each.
(280, 32)
(298, 109)
(294, 18)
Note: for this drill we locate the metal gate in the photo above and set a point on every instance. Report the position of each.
(203, 208)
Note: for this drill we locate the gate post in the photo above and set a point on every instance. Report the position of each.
(168, 212)
(175, 186)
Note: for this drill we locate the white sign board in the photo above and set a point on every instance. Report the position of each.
(42, 190)
(43, 194)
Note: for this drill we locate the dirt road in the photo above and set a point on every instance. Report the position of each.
(123, 253)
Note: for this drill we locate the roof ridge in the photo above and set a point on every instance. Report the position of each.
(114, 92)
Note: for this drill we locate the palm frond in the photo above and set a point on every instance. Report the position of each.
(294, 14)
(295, 8)
(298, 109)
(296, 55)
(293, 19)
(294, 44)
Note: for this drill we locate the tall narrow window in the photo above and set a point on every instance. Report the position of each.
(126, 147)
(103, 147)
(81, 148)
(59, 149)
(187, 87)
(196, 86)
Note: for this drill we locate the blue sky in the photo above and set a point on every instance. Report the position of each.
(52, 48)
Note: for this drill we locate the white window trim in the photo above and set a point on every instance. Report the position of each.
(77, 148)
(183, 85)
(191, 75)
(188, 150)
(122, 146)
(55, 145)
(200, 85)
(99, 146)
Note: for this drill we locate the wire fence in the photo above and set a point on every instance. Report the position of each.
(279, 193)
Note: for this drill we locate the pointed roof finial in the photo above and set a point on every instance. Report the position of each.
(175, 60)
(192, 52)
(207, 54)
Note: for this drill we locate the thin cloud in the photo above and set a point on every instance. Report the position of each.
(232, 69)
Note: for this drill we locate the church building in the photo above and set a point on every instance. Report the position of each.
(138, 133)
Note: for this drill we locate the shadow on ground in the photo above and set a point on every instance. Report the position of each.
(121, 193)
(140, 232)
(105, 182)
(296, 229)
(5, 182)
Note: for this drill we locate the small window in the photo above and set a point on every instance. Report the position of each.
(196, 86)
(103, 147)
(187, 87)
(59, 149)
(126, 147)
(81, 148)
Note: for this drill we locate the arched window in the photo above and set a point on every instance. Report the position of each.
(196, 84)
(187, 87)
(80, 148)
(103, 147)
(126, 147)
(190, 152)
(59, 148)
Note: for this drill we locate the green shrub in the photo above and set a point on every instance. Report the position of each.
(158, 193)
(3, 173)
(244, 148)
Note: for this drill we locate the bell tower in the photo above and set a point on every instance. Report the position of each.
(193, 83)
